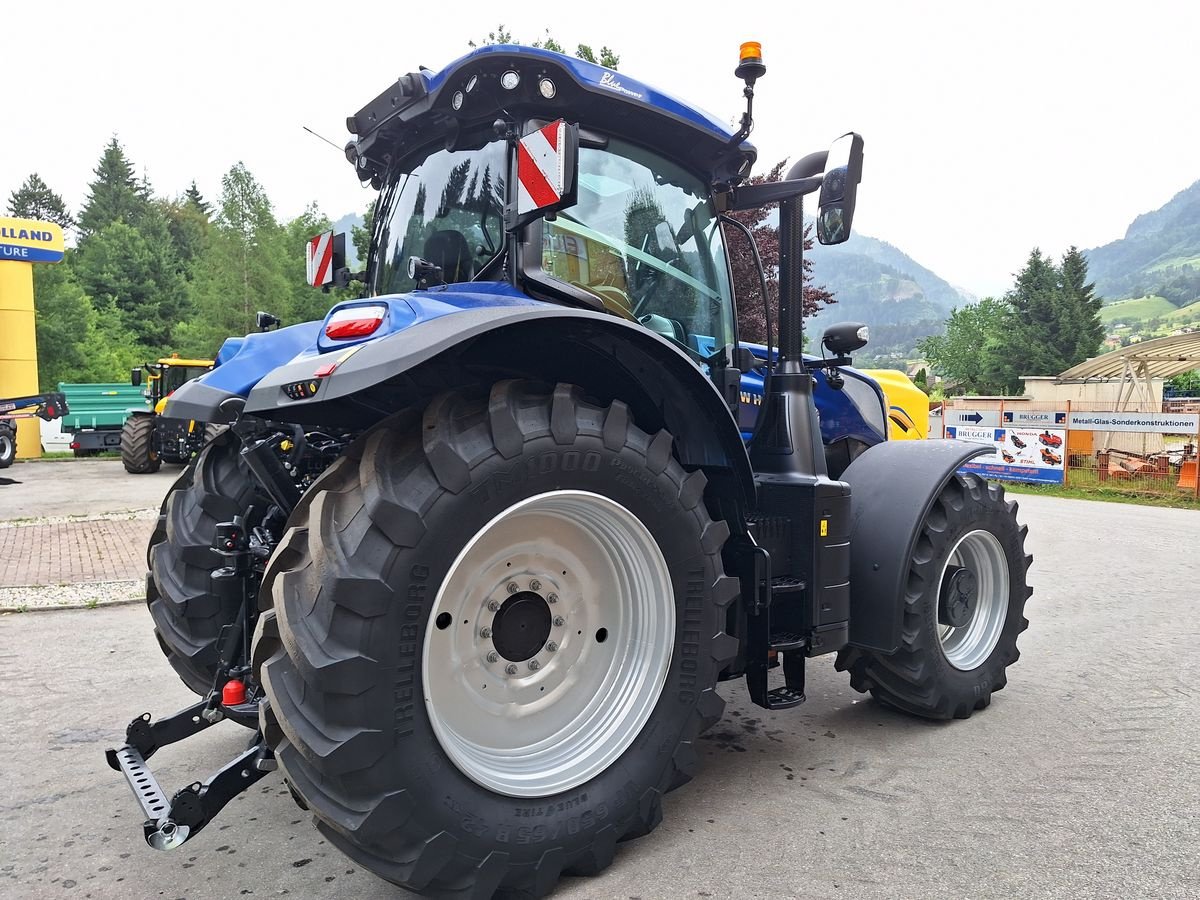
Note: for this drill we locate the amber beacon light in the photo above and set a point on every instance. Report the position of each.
(750, 63)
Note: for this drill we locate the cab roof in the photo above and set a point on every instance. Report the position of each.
(419, 110)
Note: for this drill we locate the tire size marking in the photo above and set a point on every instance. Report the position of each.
(404, 687)
(693, 621)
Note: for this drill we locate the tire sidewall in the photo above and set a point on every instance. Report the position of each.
(977, 514)
(8, 447)
(416, 761)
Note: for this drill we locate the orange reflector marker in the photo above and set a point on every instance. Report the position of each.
(233, 693)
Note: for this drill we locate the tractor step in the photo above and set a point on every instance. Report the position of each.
(786, 584)
(784, 698)
(170, 823)
(787, 640)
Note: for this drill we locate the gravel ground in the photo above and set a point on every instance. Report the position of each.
(1082, 780)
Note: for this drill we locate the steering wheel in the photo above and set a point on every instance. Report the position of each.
(654, 280)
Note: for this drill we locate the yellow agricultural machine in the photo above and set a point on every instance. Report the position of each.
(148, 438)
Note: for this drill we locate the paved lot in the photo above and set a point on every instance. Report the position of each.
(78, 487)
(1082, 780)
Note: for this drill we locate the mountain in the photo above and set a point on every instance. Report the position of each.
(877, 283)
(1159, 255)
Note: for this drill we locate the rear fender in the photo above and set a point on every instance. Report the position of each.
(608, 357)
(892, 488)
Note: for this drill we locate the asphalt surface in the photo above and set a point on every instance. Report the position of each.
(78, 488)
(1082, 780)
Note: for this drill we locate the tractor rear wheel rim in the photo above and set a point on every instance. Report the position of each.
(551, 721)
(966, 647)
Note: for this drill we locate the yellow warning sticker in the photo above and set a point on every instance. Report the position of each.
(824, 528)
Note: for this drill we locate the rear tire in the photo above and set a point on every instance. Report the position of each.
(954, 651)
(374, 657)
(8, 446)
(188, 614)
(137, 445)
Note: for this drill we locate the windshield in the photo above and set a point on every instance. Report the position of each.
(645, 240)
(448, 211)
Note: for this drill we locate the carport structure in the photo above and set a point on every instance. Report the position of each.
(1138, 364)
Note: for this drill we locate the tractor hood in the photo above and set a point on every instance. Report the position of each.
(244, 361)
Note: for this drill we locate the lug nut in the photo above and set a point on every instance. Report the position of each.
(552, 598)
(493, 656)
(534, 665)
(512, 587)
(552, 646)
(493, 605)
(535, 585)
(559, 621)
(485, 632)
(511, 669)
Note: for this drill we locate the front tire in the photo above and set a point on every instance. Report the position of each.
(8, 446)
(188, 613)
(964, 606)
(137, 445)
(418, 576)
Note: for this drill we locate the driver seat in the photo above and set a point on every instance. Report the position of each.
(449, 251)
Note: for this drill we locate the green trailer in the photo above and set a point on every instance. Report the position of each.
(98, 412)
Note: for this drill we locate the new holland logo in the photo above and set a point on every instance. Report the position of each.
(27, 240)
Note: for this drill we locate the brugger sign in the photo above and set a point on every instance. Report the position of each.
(24, 240)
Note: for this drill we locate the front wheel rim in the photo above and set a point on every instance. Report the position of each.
(967, 646)
(548, 644)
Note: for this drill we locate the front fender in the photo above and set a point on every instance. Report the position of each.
(892, 488)
(608, 357)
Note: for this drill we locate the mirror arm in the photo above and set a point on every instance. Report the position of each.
(807, 166)
(753, 196)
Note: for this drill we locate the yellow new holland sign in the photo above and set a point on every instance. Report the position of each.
(26, 240)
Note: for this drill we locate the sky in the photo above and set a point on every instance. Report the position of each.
(989, 128)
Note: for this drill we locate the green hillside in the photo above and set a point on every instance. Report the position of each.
(1159, 255)
(1137, 310)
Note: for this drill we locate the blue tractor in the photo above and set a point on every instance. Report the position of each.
(475, 551)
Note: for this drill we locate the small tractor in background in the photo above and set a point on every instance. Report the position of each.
(47, 407)
(476, 550)
(149, 438)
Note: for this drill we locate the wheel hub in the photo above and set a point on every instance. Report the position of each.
(550, 641)
(959, 597)
(522, 626)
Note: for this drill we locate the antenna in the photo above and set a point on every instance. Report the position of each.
(323, 138)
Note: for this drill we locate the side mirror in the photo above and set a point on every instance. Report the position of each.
(843, 172)
(844, 338)
(547, 172)
(325, 260)
(135, 377)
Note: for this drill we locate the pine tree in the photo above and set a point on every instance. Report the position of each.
(115, 195)
(35, 200)
(244, 267)
(195, 200)
(1082, 304)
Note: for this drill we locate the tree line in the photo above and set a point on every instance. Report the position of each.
(1047, 322)
(152, 275)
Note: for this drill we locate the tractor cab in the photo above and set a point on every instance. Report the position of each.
(165, 376)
